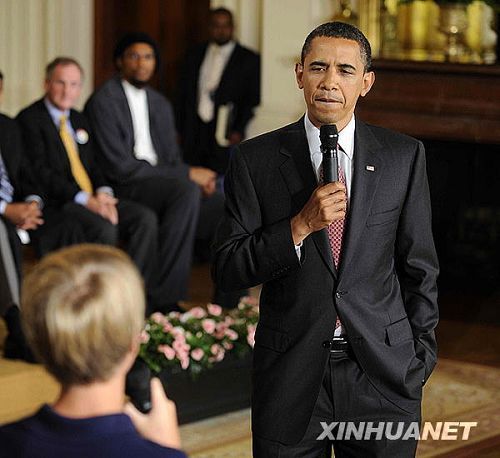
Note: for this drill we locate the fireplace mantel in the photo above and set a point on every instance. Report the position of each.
(436, 101)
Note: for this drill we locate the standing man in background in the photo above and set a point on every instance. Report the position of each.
(218, 73)
(218, 91)
(349, 299)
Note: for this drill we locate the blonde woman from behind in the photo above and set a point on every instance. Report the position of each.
(82, 312)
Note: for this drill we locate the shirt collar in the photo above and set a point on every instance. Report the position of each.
(225, 49)
(55, 113)
(346, 137)
(131, 89)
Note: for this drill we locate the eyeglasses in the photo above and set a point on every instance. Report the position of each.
(136, 56)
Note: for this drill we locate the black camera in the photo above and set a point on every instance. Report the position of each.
(137, 386)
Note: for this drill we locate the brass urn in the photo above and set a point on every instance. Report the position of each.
(453, 23)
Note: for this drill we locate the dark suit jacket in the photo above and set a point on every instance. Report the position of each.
(385, 291)
(111, 120)
(239, 84)
(11, 148)
(48, 157)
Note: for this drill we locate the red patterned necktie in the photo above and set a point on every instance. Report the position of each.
(336, 232)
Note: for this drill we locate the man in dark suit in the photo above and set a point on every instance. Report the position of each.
(218, 73)
(20, 210)
(21, 204)
(210, 84)
(135, 129)
(349, 300)
(61, 149)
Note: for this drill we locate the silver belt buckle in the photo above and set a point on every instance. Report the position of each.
(341, 340)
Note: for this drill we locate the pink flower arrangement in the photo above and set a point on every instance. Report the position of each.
(199, 338)
(214, 309)
(167, 350)
(208, 325)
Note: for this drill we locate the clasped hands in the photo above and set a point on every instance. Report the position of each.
(204, 178)
(327, 203)
(24, 215)
(104, 204)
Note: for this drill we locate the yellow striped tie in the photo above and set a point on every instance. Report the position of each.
(77, 168)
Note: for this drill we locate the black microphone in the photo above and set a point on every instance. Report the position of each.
(329, 137)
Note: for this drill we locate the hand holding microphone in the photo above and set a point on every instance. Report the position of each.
(329, 201)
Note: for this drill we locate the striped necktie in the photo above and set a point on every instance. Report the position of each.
(6, 189)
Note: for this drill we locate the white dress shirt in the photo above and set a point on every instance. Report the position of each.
(345, 156)
(138, 103)
(346, 151)
(212, 67)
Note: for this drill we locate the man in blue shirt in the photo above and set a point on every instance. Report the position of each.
(60, 146)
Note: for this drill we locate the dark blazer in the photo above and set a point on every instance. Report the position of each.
(11, 149)
(21, 179)
(239, 84)
(48, 157)
(385, 289)
(109, 113)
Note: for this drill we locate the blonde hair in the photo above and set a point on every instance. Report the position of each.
(82, 308)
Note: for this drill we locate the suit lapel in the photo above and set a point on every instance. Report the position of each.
(298, 173)
(76, 123)
(198, 61)
(368, 164)
(228, 69)
(119, 94)
(152, 124)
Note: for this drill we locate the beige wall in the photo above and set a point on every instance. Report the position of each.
(33, 32)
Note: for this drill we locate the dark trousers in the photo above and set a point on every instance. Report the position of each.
(175, 204)
(211, 212)
(346, 395)
(10, 263)
(202, 149)
(74, 223)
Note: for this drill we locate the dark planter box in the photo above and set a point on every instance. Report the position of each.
(224, 388)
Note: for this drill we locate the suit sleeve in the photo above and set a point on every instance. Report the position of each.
(54, 185)
(249, 252)
(95, 170)
(20, 173)
(417, 263)
(89, 152)
(120, 160)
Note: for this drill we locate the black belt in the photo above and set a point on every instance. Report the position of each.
(338, 345)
